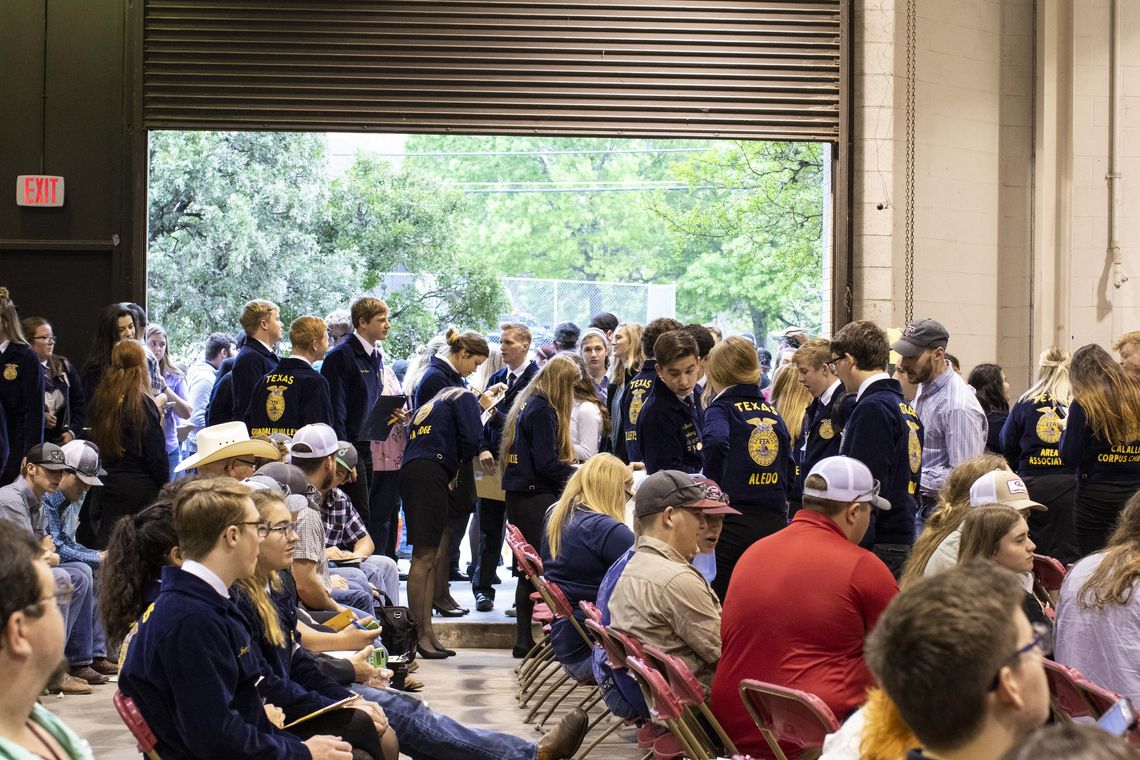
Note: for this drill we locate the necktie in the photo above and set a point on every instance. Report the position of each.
(510, 379)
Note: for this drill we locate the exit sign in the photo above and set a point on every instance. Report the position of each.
(39, 190)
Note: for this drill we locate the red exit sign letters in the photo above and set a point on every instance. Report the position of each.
(39, 190)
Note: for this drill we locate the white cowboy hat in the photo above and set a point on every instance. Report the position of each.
(230, 439)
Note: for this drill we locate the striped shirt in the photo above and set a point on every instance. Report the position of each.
(955, 427)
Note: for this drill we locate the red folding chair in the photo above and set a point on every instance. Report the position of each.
(665, 707)
(136, 724)
(691, 692)
(1068, 699)
(590, 610)
(791, 721)
(1049, 574)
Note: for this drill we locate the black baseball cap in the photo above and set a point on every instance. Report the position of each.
(920, 335)
(49, 456)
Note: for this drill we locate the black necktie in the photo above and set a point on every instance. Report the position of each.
(511, 379)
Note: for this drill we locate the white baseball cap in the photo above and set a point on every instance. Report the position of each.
(847, 480)
(314, 441)
(1005, 488)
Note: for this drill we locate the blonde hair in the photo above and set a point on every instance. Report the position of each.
(555, 382)
(1127, 339)
(1052, 377)
(165, 366)
(886, 736)
(254, 312)
(10, 320)
(307, 330)
(600, 485)
(953, 506)
(1113, 581)
(625, 366)
(254, 587)
(733, 361)
(1108, 394)
(791, 400)
(813, 354)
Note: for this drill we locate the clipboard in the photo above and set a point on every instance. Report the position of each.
(376, 426)
(334, 706)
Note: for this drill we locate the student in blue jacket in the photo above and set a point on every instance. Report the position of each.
(535, 462)
(192, 667)
(669, 425)
(826, 415)
(21, 389)
(884, 433)
(443, 438)
(1030, 441)
(1100, 440)
(293, 394)
(640, 387)
(746, 450)
(261, 321)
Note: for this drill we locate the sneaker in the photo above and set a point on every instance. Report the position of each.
(512, 612)
(105, 666)
(69, 684)
(484, 603)
(89, 674)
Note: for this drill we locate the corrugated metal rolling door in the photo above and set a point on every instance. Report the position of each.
(637, 68)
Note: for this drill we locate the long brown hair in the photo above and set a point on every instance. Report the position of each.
(1112, 582)
(791, 399)
(9, 319)
(118, 405)
(1108, 394)
(953, 506)
(555, 382)
(165, 366)
(983, 529)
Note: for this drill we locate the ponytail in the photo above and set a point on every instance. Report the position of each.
(9, 319)
(136, 553)
(468, 340)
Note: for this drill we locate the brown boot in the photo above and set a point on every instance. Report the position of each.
(563, 741)
(69, 684)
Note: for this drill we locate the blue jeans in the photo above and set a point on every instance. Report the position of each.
(379, 570)
(85, 637)
(426, 735)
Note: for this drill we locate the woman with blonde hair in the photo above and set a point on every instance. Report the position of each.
(126, 426)
(535, 462)
(999, 533)
(589, 420)
(936, 548)
(1030, 439)
(791, 398)
(21, 391)
(746, 450)
(174, 391)
(585, 534)
(1098, 615)
(1101, 439)
(626, 362)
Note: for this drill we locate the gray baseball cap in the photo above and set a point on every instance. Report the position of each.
(49, 456)
(919, 335)
(673, 488)
(293, 484)
(346, 456)
(83, 457)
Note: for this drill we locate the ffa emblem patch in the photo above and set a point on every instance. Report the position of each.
(914, 448)
(763, 445)
(635, 405)
(10, 371)
(1049, 425)
(275, 404)
(423, 412)
(826, 431)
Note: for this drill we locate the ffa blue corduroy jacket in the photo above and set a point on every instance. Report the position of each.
(355, 383)
(22, 396)
(637, 393)
(438, 375)
(253, 362)
(493, 430)
(746, 449)
(194, 672)
(1031, 437)
(885, 434)
(533, 465)
(669, 432)
(1097, 461)
(288, 398)
(446, 432)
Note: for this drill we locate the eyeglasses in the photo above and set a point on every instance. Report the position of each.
(49, 339)
(1042, 642)
(262, 527)
(246, 462)
(289, 529)
(834, 360)
(64, 592)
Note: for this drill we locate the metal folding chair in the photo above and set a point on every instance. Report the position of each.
(666, 707)
(691, 692)
(136, 724)
(791, 721)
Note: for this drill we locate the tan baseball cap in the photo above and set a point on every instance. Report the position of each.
(1005, 488)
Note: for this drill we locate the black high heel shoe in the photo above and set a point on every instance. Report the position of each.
(451, 613)
(430, 654)
(441, 648)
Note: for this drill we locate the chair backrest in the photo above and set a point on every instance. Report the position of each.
(629, 644)
(524, 553)
(663, 703)
(1064, 687)
(561, 605)
(614, 653)
(1099, 698)
(135, 722)
(590, 610)
(796, 719)
(1049, 572)
(680, 676)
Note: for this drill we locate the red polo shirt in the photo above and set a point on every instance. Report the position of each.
(797, 609)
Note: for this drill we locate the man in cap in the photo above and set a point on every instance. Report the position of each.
(566, 336)
(227, 450)
(21, 504)
(800, 622)
(661, 598)
(954, 425)
(61, 509)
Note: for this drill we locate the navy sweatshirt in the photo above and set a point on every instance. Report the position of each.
(288, 398)
(193, 670)
(636, 395)
(885, 434)
(746, 450)
(438, 375)
(493, 430)
(446, 432)
(220, 407)
(669, 432)
(22, 396)
(823, 428)
(355, 381)
(1097, 461)
(253, 362)
(1031, 437)
(533, 465)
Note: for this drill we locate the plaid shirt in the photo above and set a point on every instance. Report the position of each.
(343, 526)
(62, 519)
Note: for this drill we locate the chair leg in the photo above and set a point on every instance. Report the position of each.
(591, 699)
(541, 652)
(551, 672)
(549, 692)
(726, 743)
(618, 723)
(541, 667)
(773, 744)
(548, 713)
(680, 732)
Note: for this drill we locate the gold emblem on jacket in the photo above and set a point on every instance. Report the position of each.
(275, 404)
(763, 444)
(423, 412)
(1049, 425)
(826, 431)
(10, 371)
(914, 448)
(635, 405)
